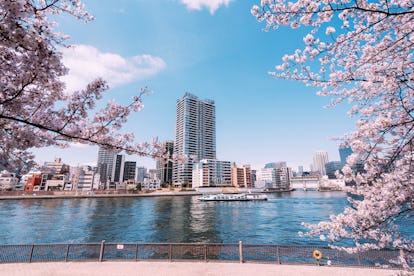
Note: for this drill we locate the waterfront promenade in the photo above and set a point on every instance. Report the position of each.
(180, 268)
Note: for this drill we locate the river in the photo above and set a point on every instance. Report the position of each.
(166, 219)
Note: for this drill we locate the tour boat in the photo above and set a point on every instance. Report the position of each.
(233, 197)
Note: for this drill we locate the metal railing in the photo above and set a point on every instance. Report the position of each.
(269, 253)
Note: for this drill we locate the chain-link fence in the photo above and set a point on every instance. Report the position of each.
(270, 253)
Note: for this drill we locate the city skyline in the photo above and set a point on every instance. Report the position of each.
(220, 54)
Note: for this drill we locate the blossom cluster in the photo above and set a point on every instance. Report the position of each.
(35, 111)
(360, 52)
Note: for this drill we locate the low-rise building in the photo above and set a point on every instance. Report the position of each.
(8, 181)
(241, 177)
(274, 178)
(211, 173)
(151, 181)
(33, 182)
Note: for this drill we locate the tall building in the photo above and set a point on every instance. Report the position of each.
(141, 173)
(195, 135)
(130, 168)
(331, 168)
(344, 153)
(118, 168)
(165, 167)
(320, 158)
(105, 164)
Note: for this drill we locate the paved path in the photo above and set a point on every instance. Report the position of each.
(180, 268)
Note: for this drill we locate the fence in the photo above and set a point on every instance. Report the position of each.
(279, 254)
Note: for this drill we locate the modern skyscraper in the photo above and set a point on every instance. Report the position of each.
(331, 168)
(344, 153)
(141, 173)
(195, 135)
(130, 168)
(105, 164)
(118, 168)
(320, 158)
(165, 168)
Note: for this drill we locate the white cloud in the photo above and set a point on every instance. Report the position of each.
(212, 5)
(79, 145)
(86, 63)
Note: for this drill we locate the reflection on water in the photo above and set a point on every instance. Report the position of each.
(166, 219)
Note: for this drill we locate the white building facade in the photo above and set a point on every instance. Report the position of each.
(8, 181)
(211, 173)
(320, 158)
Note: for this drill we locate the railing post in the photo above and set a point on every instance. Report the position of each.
(31, 253)
(101, 253)
(136, 253)
(170, 253)
(205, 252)
(241, 251)
(278, 255)
(67, 252)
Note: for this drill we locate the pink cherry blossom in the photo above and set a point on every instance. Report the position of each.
(34, 110)
(361, 52)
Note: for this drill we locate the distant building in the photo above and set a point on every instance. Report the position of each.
(83, 179)
(56, 167)
(151, 181)
(52, 182)
(211, 173)
(300, 171)
(118, 169)
(344, 153)
(195, 135)
(141, 173)
(241, 176)
(8, 181)
(276, 165)
(274, 178)
(105, 164)
(130, 168)
(253, 177)
(320, 158)
(331, 168)
(165, 167)
(33, 182)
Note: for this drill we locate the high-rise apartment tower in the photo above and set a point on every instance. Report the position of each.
(320, 158)
(105, 164)
(195, 135)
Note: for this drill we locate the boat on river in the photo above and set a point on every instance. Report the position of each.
(233, 197)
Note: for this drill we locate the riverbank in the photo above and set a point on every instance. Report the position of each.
(181, 268)
(14, 195)
(92, 194)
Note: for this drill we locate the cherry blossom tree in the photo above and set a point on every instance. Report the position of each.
(35, 110)
(361, 52)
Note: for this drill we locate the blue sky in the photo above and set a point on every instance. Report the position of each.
(217, 51)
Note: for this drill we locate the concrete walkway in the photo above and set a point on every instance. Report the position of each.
(179, 268)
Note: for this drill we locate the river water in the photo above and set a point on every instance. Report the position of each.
(166, 219)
